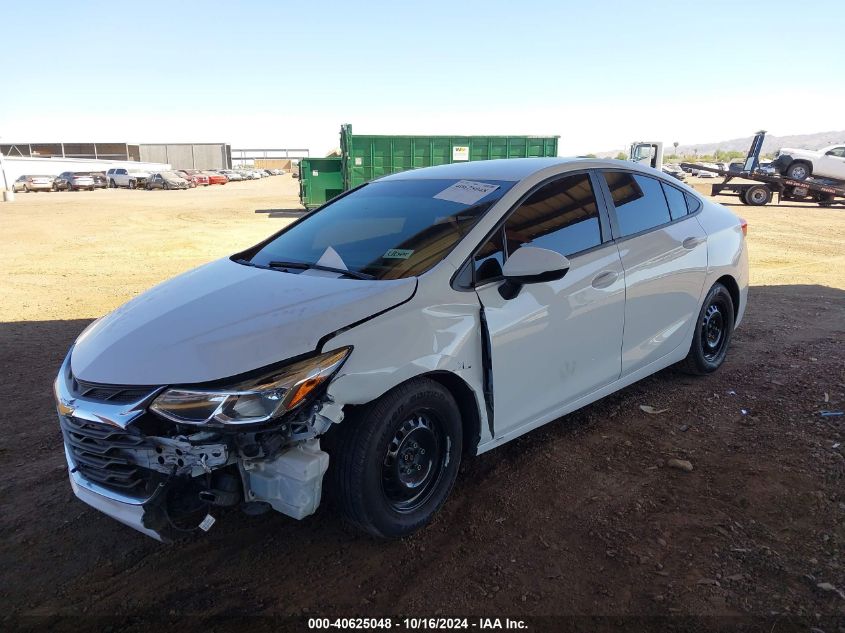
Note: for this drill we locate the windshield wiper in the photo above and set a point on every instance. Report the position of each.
(328, 269)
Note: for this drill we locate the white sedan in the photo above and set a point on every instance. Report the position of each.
(419, 318)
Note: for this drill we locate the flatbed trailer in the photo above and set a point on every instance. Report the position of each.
(767, 183)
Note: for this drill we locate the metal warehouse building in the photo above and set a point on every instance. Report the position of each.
(87, 151)
(188, 155)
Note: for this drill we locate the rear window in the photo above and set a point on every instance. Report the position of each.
(639, 201)
(387, 229)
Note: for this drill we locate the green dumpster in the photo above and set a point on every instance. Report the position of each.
(368, 156)
(320, 180)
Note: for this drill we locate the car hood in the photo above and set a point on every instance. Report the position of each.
(224, 319)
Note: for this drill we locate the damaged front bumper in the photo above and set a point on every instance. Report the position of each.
(163, 480)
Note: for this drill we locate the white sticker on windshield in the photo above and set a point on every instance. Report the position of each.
(398, 253)
(466, 192)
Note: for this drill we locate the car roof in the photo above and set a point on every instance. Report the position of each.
(508, 169)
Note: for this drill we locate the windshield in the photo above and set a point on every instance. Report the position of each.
(386, 229)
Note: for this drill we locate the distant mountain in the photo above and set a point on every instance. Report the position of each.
(770, 145)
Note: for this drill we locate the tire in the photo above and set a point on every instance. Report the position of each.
(757, 196)
(26, 189)
(112, 184)
(165, 186)
(713, 330)
(417, 424)
(798, 171)
(133, 184)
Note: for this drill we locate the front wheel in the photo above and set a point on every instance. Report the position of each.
(398, 458)
(713, 332)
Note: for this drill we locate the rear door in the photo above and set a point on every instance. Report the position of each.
(555, 341)
(664, 254)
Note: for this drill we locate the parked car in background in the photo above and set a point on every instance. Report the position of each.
(675, 171)
(100, 181)
(33, 183)
(708, 174)
(73, 181)
(486, 299)
(828, 162)
(195, 176)
(122, 177)
(231, 174)
(215, 179)
(166, 180)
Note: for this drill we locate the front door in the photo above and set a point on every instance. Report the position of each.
(832, 164)
(555, 341)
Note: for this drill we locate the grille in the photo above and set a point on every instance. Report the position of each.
(97, 451)
(109, 393)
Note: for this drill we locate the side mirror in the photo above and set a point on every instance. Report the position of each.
(531, 265)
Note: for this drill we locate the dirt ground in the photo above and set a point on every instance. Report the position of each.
(581, 517)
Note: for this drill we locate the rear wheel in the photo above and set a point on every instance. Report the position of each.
(757, 195)
(798, 171)
(398, 459)
(713, 332)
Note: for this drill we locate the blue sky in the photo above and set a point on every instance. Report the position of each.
(287, 74)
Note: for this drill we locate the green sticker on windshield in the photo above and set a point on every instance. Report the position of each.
(398, 253)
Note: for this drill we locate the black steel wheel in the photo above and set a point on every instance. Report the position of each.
(713, 332)
(395, 461)
(413, 462)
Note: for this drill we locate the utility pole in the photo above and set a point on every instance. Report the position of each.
(3, 171)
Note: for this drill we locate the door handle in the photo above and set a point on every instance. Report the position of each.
(691, 242)
(605, 279)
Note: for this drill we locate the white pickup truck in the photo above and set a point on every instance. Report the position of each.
(828, 162)
(121, 177)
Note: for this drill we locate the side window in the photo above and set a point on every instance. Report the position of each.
(839, 152)
(561, 216)
(693, 203)
(489, 259)
(677, 201)
(639, 201)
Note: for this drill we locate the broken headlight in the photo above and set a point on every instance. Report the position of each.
(251, 401)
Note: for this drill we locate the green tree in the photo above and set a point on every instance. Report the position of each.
(621, 156)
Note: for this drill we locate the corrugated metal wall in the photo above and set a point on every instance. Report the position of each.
(189, 155)
(155, 154)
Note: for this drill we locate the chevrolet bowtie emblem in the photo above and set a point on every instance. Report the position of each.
(65, 407)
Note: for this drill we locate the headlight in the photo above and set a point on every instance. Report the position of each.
(252, 401)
